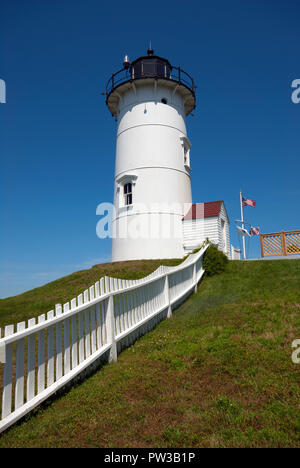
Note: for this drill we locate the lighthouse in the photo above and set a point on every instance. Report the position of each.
(150, 99)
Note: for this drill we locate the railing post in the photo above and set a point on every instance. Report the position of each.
(167, 296)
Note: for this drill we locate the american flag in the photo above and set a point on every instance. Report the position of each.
(254, 231)
(247, 201)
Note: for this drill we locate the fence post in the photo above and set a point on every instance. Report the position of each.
(110, 329)
(167, 296)
(261, 245)
(7, 375)
(283, 243)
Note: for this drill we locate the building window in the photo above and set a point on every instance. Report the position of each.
(125, 186)
(186, 144)
(186, 157)
(128, 194)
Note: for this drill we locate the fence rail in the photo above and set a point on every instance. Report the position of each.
(280, 243)
(42, 356)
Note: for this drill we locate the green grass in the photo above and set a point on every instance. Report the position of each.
(217, 374)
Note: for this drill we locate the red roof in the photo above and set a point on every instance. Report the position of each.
(204, 210)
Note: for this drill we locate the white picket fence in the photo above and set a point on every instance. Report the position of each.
(49, 352)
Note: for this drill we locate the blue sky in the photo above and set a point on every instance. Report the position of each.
(57, 138)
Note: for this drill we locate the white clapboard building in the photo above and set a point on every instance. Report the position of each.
(207, 220)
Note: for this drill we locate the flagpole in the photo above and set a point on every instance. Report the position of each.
(243, 225)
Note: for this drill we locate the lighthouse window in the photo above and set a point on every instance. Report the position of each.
(128, 194)
(186, 152)
(187, 157)
(149, 68)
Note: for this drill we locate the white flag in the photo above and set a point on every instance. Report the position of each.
(242, 231)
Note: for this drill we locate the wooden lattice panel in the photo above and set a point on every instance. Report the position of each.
(292, 241)
(272, 245)
(280, 243)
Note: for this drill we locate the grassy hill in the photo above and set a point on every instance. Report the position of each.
(217, 374)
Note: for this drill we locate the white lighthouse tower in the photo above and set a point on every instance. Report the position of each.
(150, 100)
